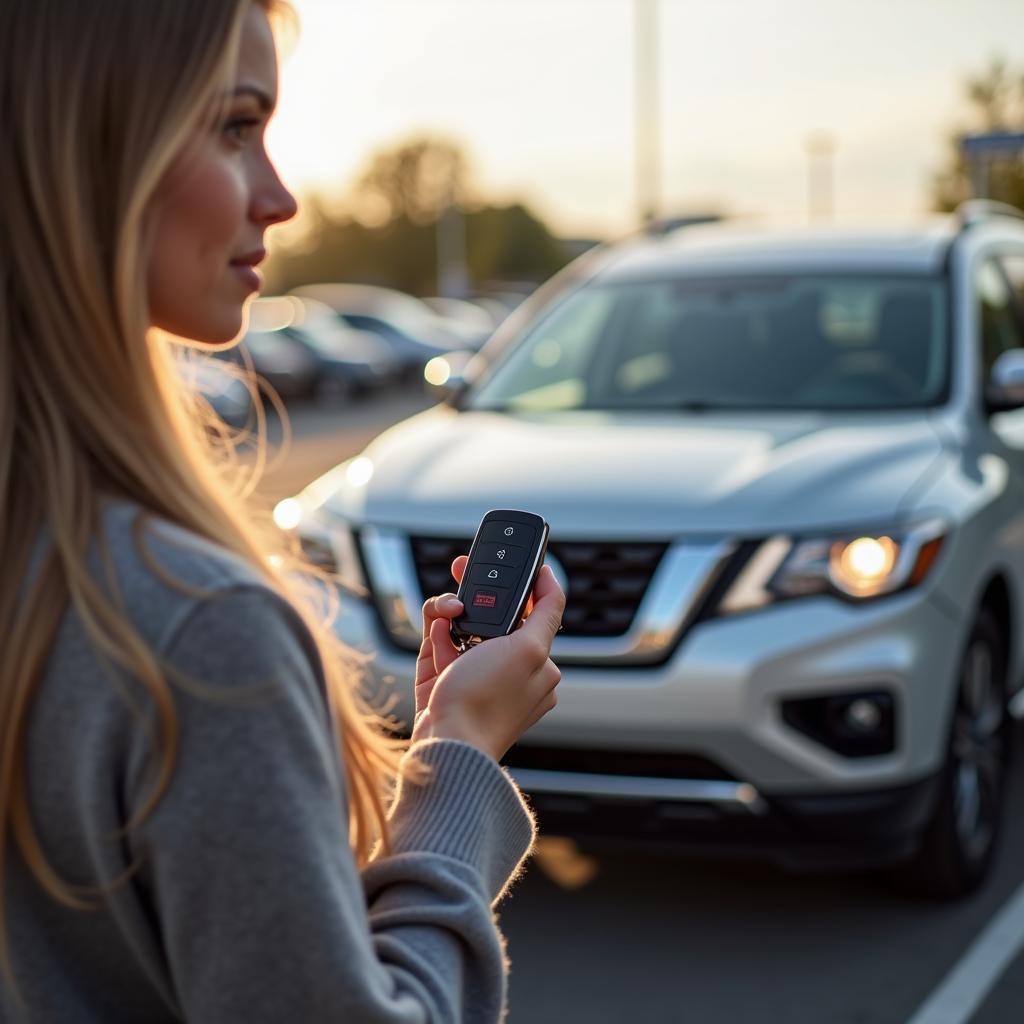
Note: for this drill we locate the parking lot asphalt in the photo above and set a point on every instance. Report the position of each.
(597, 936)
(325, 433)
(607, 938)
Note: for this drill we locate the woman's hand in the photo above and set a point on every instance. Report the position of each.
(490, 695)
(437, 651)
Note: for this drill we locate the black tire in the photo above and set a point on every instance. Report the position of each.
(958, 845)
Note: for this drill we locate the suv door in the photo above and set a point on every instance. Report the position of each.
(1001, 328)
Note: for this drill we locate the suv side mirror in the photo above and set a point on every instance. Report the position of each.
(446, 376)
(1005, 388)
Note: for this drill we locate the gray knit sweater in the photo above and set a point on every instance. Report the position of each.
(248, 906)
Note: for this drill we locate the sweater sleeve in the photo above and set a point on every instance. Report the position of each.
(261, 909)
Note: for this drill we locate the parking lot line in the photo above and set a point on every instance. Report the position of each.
(965, 987)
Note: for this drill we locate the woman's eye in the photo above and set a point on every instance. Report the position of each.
(238, 130)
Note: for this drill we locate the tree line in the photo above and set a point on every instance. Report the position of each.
(386, 230)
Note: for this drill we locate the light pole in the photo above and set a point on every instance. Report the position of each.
(646, 109)
(821, 149)
(452, 274)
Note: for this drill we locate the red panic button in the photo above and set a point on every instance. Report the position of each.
(482, 600)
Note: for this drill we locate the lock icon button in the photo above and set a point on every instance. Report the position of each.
(508, 556)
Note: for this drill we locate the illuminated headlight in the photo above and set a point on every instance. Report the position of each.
(326, 540)
(853, 565)
(437, 371)
(863, 566)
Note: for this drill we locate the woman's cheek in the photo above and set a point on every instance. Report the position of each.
(220, 210)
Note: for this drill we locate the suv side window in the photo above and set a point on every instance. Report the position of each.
(997, 320)
(1013, 266)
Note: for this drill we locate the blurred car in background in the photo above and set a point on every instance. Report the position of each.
(495, 308)
(348, 361)
(413, 330)
(281, 360)
(471, 314)
(784, 475)
(225, 392)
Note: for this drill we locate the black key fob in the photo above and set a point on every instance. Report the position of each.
(507, 553)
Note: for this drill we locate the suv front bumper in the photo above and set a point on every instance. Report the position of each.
(719, 697)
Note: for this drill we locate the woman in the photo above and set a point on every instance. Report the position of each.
(198, 810)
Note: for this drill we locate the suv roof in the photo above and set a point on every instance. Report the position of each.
(740, 248)
(737, 248)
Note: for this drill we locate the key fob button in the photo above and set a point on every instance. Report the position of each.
(494, 575)
(508, 533)
(487, 604)
(508, 555)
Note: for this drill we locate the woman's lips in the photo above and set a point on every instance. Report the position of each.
(250, 275)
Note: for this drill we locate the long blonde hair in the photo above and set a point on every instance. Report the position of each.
(95, 101)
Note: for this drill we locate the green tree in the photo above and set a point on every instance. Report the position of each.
(385, 230)
(416, 180)
(996, 104)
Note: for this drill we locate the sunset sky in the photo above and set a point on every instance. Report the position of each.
(540, 94)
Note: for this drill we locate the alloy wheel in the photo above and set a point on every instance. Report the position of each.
(978, 751)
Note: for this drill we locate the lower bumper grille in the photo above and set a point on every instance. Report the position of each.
(617, 762)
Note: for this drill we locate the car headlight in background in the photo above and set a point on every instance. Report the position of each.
(856, 566)
(327, 540)
(437, 371)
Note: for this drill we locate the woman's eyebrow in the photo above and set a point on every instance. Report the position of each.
(265, 101)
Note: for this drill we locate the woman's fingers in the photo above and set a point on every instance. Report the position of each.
(443, 650)
(445, 606)
(436, 609)
(542, 623)
(548, 678)
(459, 567)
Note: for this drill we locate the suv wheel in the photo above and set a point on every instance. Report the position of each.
(958, 844)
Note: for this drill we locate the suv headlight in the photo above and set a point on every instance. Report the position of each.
(856, 566)
(326, 540)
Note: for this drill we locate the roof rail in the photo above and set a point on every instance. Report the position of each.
(973, 211)
(665, 225)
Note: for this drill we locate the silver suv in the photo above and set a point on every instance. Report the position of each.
(785, 481)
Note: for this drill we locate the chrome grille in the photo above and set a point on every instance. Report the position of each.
(607, 580)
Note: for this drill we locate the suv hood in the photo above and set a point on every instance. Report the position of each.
(644, 474)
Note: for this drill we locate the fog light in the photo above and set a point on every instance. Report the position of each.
(864, 715)
(858, 724)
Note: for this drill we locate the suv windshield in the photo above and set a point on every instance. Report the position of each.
(768, 342)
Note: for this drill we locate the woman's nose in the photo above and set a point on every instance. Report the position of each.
(273, 202)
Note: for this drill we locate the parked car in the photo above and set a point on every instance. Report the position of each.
(281, 360)
(349, 360)
(495, 308)
(785, 480)
(228, 396)
(415, 333)
(473, 316)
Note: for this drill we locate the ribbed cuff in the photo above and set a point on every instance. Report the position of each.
(469, 809)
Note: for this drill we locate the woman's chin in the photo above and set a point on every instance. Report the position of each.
(223, 330)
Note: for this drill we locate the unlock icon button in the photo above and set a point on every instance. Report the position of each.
(494, 575)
